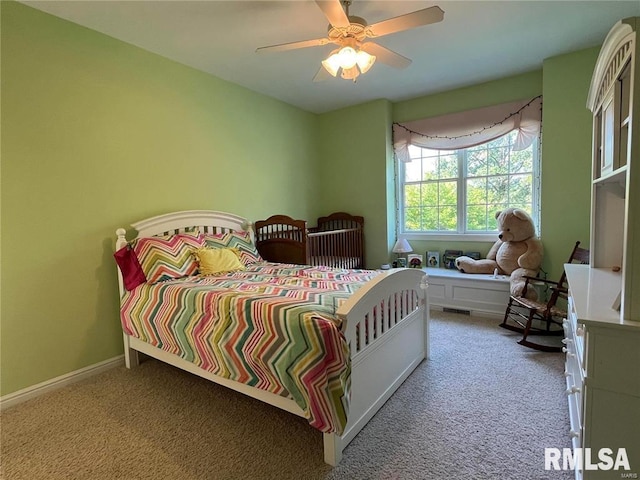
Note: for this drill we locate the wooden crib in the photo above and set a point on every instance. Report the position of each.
(337, 241)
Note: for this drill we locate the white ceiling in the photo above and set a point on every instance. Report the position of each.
(477, 41)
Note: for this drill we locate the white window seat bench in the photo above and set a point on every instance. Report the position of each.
(479, 294)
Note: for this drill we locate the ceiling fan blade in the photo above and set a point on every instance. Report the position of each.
(293, 45)
(408, 21)
(386, 56)
(322, 75)
(334, 12)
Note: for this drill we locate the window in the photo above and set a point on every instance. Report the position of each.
(444, 192)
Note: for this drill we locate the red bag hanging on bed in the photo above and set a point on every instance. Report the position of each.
(132, 274)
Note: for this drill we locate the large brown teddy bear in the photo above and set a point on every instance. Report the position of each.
(517, 253)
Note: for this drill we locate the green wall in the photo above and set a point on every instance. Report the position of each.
(566, 154)
(97, 134)
(517, 87)
(354, 171)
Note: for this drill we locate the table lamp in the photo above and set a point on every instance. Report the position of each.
(401, 246)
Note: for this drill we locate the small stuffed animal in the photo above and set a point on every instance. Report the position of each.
(518, 252)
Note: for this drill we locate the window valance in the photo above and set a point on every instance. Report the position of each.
(474, 127)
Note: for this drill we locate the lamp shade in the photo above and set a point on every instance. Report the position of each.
(402, 246)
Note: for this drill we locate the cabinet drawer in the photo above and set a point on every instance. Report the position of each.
(574, 399)
(577, 333)
(574, 375)
(572, 349)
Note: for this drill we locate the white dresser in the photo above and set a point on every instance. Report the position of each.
(603, 326)
(602, 370)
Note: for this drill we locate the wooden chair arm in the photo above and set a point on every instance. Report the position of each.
(558, 288)
(543, 280)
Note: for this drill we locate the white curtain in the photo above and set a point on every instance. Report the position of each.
(474, 127)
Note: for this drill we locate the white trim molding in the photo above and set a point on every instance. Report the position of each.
(47, 386)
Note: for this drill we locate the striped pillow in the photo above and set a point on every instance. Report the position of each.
(164, 258)
(240, 240)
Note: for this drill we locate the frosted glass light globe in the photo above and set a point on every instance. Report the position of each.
(348, 57)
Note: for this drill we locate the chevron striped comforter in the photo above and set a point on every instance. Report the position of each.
(272, 326)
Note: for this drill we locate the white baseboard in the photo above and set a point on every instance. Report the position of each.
(28, 393)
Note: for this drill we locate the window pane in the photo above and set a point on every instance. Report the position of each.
(477, 218)
(430, 194)
(476, 162)
(430, 219)
(521, 161)
(497, 189)
(492, 177)
(412, 195)
(412, 219)
(520, 190)
(448, 166)
(414, 151)
(448, 193)
(498, 162)
(430, 168)
(412, 171)
(477, 191)
(448, 218)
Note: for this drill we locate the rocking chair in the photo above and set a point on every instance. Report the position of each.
(525, 312)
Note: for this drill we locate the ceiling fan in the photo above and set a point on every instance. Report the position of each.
(354, 54)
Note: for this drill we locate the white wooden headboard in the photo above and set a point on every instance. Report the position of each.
(208, 221)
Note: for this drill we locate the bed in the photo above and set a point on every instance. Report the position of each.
(368, 330)
(336, 241)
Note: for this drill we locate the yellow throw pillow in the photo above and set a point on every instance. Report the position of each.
(218, 260)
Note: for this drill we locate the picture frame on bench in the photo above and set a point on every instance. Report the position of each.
(433, 259)
(449, 258)
(414, 260)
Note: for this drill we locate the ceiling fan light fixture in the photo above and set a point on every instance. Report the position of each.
(348, 62)
(350, 33)
(365, 61)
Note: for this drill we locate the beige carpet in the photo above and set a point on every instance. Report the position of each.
(482, 407)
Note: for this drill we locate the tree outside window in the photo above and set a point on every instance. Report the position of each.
(459, 191)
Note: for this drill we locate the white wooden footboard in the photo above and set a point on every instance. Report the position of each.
(387, 327)
(387, 330)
